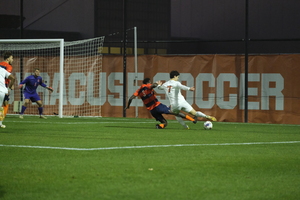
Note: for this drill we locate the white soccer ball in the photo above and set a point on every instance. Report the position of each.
(208, 125)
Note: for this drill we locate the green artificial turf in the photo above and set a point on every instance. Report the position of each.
(127, 158)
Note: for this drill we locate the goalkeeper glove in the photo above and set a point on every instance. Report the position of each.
(50, 88)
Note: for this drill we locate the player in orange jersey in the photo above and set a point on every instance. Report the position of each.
(7, 65)
(156, 108)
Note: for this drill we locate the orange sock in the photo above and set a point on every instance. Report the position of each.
(162, 125)
(5, 109)
(189, 118)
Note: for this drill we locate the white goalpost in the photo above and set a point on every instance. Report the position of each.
(72, 69)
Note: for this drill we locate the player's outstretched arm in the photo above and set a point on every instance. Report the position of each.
(50, 88)
(192, 88)
(129, 101)
(154, 85)
(159, 85)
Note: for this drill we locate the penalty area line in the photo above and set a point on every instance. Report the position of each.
(147, 146)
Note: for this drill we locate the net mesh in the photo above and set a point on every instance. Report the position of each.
(81, 74)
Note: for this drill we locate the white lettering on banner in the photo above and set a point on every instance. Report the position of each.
(118, 89)
(233, 81)
(205, 77)
(251, 91)
(76, 99)
(100, 99)
(54, 96)
(271, 85)
(267, 91)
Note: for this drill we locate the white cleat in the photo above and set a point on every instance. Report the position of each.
(2, 126)
(21, 117)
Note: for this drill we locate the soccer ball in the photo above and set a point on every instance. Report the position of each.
(207, 125)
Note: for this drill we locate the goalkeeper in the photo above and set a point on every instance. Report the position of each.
(31, 83)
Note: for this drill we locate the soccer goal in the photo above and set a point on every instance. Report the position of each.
(72, 69)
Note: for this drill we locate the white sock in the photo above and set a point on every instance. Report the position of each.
(200, 114)
(180, 120)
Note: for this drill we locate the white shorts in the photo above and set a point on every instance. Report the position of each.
(2, 95)
(184, 106)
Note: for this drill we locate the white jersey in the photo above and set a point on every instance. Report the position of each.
(3, 74)
(177, 100)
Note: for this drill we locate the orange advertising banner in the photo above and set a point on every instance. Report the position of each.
(273, 85)
(219, 80)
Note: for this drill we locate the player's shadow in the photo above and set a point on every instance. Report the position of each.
(148, 128)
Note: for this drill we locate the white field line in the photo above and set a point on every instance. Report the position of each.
(80, 123)
(148, 146)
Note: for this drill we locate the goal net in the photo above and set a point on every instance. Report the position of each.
(72, 69)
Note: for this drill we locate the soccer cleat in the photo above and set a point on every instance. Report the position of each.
(2, 126)
(187, 127)
(43, 117)
(158, 126)
(196, 119)
(211, 118)
(21, 117)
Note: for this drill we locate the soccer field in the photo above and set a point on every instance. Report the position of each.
(127, 158)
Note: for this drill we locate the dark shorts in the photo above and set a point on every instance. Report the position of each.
(33, 97)
(6, 98)
(158, 111)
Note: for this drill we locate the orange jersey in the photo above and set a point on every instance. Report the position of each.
(146, 93)
(8, 68)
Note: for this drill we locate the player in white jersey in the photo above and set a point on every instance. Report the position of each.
(3, 90)
(173, 90)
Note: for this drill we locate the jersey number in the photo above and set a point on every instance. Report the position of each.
(169, 88)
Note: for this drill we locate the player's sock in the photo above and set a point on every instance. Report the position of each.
(194, 120)
(5, 109)
(23, 110)
(40, 110)
(200, 114)
(190, 118)
(1, 114)
(180, 120)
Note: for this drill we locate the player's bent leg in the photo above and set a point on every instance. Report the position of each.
(201, 114)
(41, 109)
(5, 107)
(194, 120)
(5, 104)
(26, 104)
(22, 111)
(163, 124)
(180, 120)
(2, 117)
